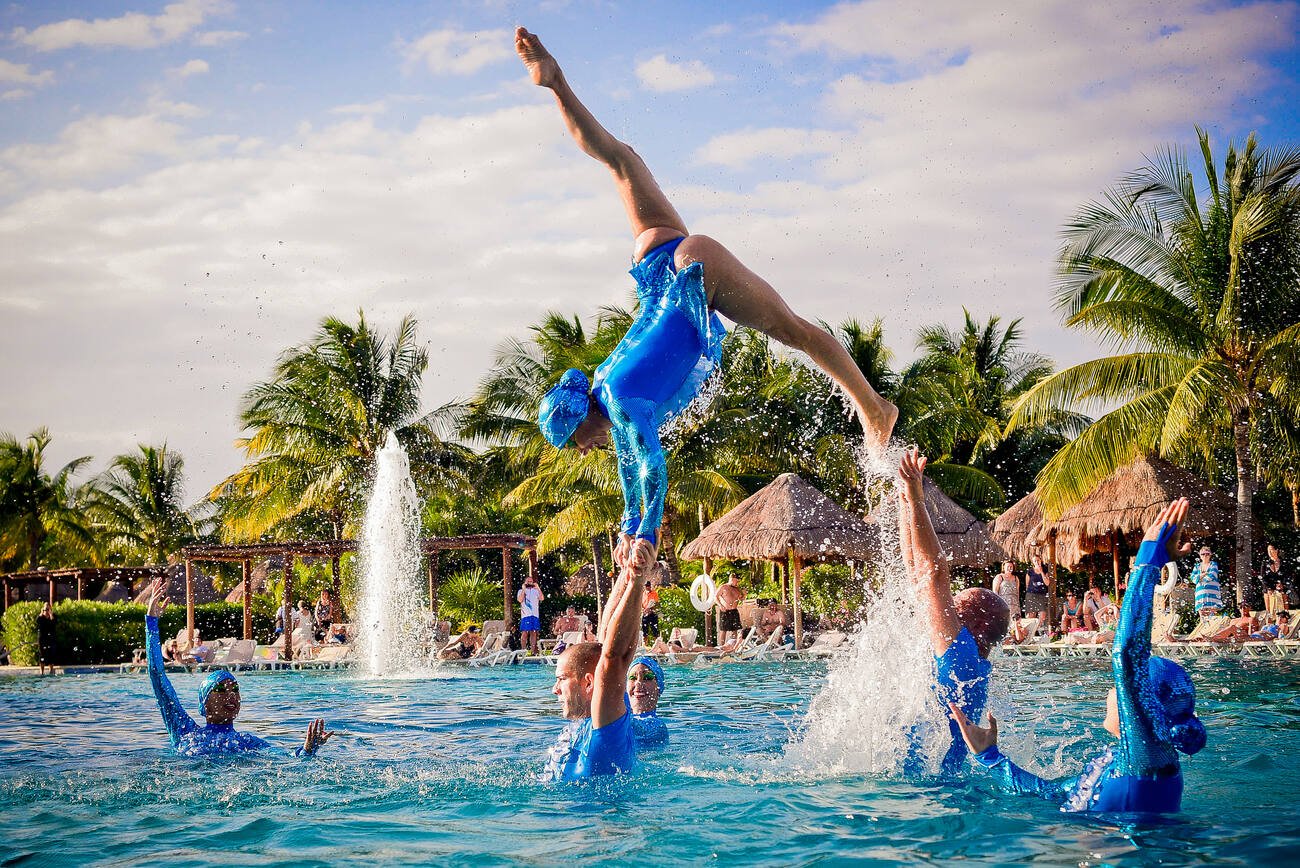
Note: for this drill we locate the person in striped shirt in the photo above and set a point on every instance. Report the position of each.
(1205, 578)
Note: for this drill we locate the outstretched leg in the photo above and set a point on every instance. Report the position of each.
(742, 296)
(654, 220)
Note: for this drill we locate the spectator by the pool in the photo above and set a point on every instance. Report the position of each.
(650, 612)
(463, 646)
(1238, 629)
(566, 623)
(729, 596)
(1276, 630)
(1037, 587)
(1093, 602)
(530, 599)
(1006, 585)
(324, 614)
(1275, 571)
(1072, 613)
(1275, 599)
(1205, 578)
(45, 638)
(774, 620)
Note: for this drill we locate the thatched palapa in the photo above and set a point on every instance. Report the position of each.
(965, 539)
(204, 590)
(1021, 530)
(258, 579)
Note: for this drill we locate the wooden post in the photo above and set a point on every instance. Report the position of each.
(79, 584)
(4, 606)
(708, 568)
(508, 586)
(287, 606)
(189, 602)
(336, 581)
(798, 611)
(433, 581)
(52, 592)
(1114, 562)
(1052, 600)
(248, 599)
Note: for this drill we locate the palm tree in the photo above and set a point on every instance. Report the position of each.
(39, 511)
(1199, 292)
(471, 596)
(138, 508)
(318, 423)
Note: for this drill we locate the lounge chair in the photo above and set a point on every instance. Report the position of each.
(334, 654)
(1196, 643)
(827, 644)
(771, 648)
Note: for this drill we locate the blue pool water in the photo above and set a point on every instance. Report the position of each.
(441, 770)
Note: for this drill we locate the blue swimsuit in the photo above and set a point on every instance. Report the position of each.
(188, 738)
(1142, 774)
(656, 370)
(583, 752)
(649, 730)
(961, 677)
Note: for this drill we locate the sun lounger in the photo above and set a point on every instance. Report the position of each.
(827, 644)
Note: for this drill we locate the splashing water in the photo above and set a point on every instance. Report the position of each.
(878, 702)
(391, 616)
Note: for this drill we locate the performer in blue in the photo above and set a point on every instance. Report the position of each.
(963, 629)
(1151, 709)
(675, 341)
(590, 680)
(218, 702)
(645, 685)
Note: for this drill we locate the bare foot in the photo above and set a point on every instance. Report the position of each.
(879, 426)
(542, 68)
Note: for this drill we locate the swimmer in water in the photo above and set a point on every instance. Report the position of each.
(645, 685)
(963, 628)
(676, 339)
(591, 681)
(1151, 709)
(218, 702)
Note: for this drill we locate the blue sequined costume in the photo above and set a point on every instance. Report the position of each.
(1156, 719)
(582, 752)
(188, 738)
(656, 370)
(649, 730)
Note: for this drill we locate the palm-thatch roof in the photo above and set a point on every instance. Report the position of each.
(965, 539)
(204, 590)
(1021, 530)
(258, 578)
(1130, 498)
(788, 513)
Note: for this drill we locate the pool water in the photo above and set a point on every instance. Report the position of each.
(443, 770)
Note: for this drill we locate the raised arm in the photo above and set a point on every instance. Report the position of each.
(983, 744)
(618, 647)
(175, 718)
(929, 566)
(1143, 735)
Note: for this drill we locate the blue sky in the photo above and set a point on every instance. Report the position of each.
(187, 188)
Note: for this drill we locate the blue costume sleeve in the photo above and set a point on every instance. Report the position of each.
(642, 468)
(1143, 732)
(627, 478)
(1013, 779)
(174, 716)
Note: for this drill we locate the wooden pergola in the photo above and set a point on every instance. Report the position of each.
(790, 522)
(334, 549)
(81, 577)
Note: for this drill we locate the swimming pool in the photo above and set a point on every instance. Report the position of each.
(442, 770)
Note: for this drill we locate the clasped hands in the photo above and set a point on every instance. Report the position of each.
(634, 554)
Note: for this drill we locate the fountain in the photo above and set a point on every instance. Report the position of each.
(391, 617)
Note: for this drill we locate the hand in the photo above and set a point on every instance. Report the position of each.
(623, 550)
(1168, 525)
(157, 598)
(911, 470)
(316, 736)
(977, 738)
(643, 556)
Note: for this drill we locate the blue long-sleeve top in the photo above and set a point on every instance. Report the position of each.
(187, 737)
(1142, 773)
(656, 370)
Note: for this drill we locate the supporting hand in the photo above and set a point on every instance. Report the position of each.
(642, 556)
(157, 598)
(977, 738)
(316, 736)
(623, 550)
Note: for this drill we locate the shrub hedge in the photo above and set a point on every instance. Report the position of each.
(86, 632)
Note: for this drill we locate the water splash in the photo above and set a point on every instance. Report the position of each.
(391, 616)
(878, 702)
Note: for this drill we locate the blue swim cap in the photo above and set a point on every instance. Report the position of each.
(564, 407)
(206, 687)
(1177, 695)
(653, 665)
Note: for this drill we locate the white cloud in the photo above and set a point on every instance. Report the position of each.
(663, 75)
(20, 73)
(218, 38)
(459, 52)
(742, 147)
(132, 30)
(15, 94)
(191, 68)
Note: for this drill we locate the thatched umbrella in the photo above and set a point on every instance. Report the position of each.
(789, 520)
(965, 539)
(259, 577)
(1128, 500)
(1020, 529)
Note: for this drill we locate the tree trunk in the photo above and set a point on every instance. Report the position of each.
(1294, 487)
(1245, 497)
(668, 551)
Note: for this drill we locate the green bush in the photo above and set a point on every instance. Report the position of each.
(86, 632)
(675, 610)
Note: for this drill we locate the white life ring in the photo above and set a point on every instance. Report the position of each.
(703, 593)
